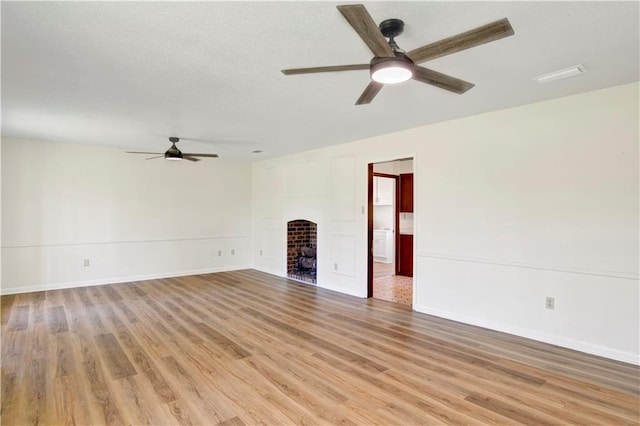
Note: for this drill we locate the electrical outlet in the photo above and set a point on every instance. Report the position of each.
(550, 303)
(233, 251)
(219, 252)
(86, 262)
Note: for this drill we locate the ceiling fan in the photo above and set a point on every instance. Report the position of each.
(392, 65)
(173, 153)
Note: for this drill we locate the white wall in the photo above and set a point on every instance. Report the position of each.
(394, 167)
(384, 195)
(0, 211)
(510, 207)
(131, 218)
(383, 217)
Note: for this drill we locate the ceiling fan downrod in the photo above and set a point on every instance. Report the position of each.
(391, 28)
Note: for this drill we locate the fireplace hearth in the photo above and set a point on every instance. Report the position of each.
(302, 259)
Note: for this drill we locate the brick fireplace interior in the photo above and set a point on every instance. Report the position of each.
(302, 238)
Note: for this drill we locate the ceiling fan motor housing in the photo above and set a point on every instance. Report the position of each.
(173, 153)
(400, 58)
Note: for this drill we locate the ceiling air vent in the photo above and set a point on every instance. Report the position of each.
(560, 74)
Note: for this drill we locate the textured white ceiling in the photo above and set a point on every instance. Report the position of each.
(131, 74)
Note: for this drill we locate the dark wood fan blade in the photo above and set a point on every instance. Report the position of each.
(148, 153)
(440, 80)
(190, 154)
(187, 157)
(369, 93)
(472, 38)
(363, 24)
(152, 158)
(331, 68)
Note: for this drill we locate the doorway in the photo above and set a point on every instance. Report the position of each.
(390, 224)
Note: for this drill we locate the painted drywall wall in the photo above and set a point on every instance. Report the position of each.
(0, 210)
(383, 217)
(394, 167)
(510, 207)
(129, 218)
(384, 193)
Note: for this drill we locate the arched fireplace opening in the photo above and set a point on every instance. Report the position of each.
(302, 243)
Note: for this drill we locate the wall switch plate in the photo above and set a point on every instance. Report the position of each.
(335, 266)
(86, 262)
(550, 303)
(233, 251)
(219, 252)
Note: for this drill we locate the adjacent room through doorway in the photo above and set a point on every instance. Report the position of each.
(391, 224)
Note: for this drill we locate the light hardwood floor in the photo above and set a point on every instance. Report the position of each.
(245, 347)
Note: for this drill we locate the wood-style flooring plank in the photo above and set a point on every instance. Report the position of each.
(102, 405)
(198, 395)
(233, 421)
(57, 320)
(19, 319)
(5, 308)
(71, 405)
(244, 347)
(114, 357)
(144, 362)
(10, 395)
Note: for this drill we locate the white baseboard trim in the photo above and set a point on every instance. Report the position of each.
(270, 271)
(340, 290)
(564, 342)
(115, 280)
(321, 284)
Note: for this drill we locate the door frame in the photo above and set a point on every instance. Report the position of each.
(370, 175)
(396, 217)
(396, 236)
(370, 230)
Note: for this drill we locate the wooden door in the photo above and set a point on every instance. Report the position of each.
(406, 192)
(405, 255)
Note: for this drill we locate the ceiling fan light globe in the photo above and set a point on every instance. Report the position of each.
(391, 70)
(391, 74)
(173, 155)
